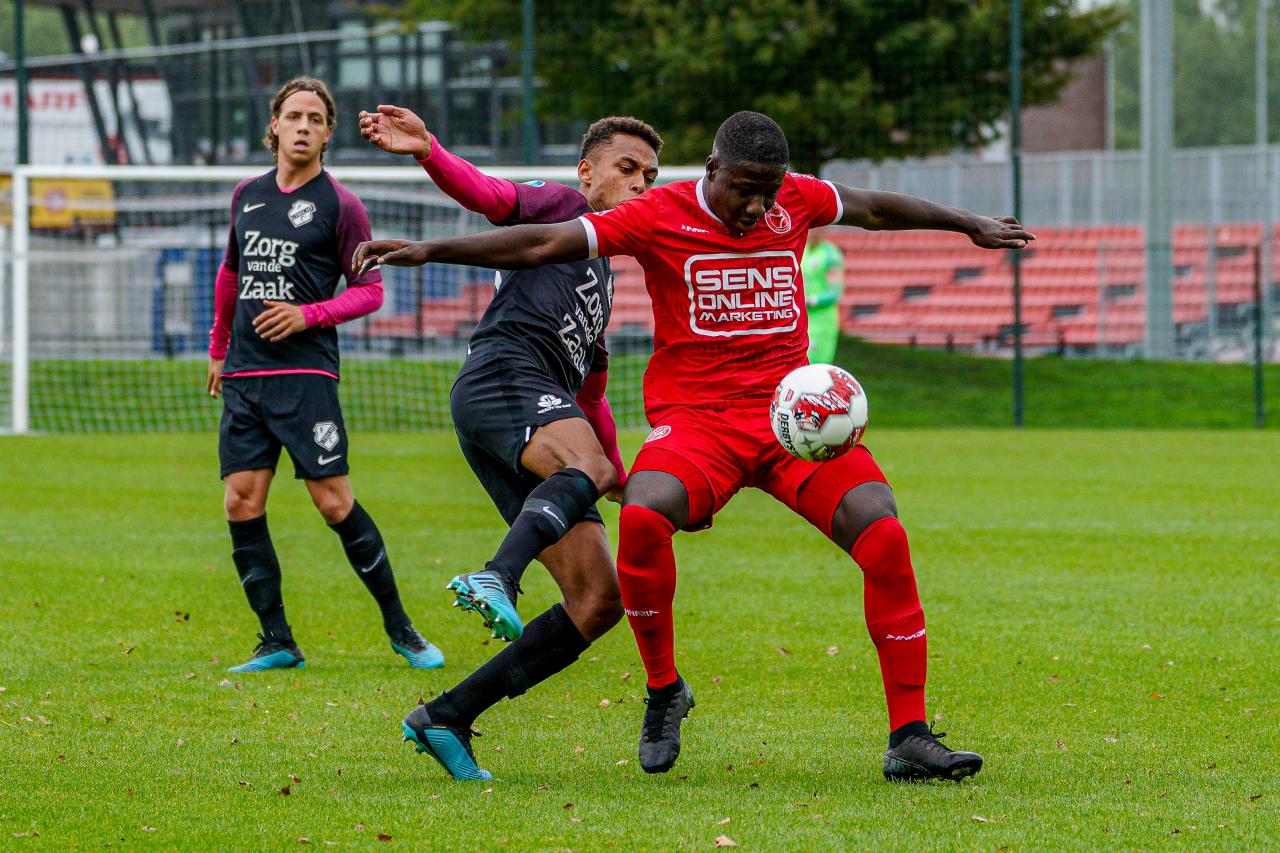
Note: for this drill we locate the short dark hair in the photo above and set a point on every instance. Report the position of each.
(300, 84)
(747, 137)
(602, 130)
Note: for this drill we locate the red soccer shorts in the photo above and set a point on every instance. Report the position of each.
(715, 452)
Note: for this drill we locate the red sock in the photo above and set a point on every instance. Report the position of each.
(894, 617)
(647, 575)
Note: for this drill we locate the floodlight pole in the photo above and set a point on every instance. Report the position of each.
(530, 126)
(1015, 161)
(20, 78)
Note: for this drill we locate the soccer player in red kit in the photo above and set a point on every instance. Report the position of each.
(722, 264)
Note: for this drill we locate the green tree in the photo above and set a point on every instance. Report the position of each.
(845, 78)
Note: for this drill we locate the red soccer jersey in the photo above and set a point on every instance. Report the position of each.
(728, 311)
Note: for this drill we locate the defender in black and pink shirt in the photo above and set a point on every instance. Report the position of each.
(273, 356)
(532, 420)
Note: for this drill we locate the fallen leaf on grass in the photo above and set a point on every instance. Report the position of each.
(544, 787)
(621, 762)
(980, 819)
(1255, 797)
(833, 650)
(302, 839)
(1112, 739)
(605, 703)
(1061, 745)
(245, 783)
(1155, 695)
(359, 827)
(725, 841)
(578, 750)
(624, 676)
(785, 654)
(568, 805)
(382, 836)
(285, 790)
(575, 820)
(293, 778)
(181, 742)
(146, 828)
(723, 822)
(226, 682)
(717, 679)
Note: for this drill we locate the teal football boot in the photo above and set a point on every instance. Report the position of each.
(448, 745)
(272, 654)
(488, 594)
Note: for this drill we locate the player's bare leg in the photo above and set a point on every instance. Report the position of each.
(367, 553)
(582, 567)
(245, 501)
(655, 506)
(866, 525)
(568, 458)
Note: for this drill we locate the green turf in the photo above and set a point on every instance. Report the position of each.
(907, 387)
(1103, 625)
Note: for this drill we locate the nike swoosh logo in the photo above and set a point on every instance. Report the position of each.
(558, 520)
(325, 460)
(381, 554)
(249, 207)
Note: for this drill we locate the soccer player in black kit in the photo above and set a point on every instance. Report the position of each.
(273, 356)
(527, 410)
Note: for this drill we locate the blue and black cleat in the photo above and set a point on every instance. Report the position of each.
(488, 594)
(272, 654)
(415, 648)
(446, 744)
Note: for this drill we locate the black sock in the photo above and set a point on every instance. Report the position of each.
(368, 555)
(666, 691)
(259, 570)
(901, 733)
(549, 644)
(551, 510)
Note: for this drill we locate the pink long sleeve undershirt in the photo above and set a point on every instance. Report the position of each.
(595, 406)
(494, 198)
(351, 304)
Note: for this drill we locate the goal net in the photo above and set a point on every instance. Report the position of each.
(106, 299)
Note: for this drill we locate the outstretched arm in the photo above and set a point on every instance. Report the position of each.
(518, 247)
(400, 131)
(884, 211)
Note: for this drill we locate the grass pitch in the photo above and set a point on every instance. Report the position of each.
(1104, 612)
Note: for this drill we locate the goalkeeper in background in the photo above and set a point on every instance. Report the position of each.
(823, 271)
(273, 356)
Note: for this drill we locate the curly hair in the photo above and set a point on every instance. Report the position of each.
(603, 129)
(747, 137)
(300, 84)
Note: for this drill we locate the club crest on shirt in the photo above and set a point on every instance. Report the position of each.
(326, 434)
(301, 212)
(778, 220)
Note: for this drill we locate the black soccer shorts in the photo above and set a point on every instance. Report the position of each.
(297, 411)
(497, 403)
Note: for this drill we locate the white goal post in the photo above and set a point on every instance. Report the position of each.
(106, 289)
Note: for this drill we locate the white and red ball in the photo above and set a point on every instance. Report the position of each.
(818, 412)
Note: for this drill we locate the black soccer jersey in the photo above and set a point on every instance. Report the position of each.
(557, 312)
(290, 247)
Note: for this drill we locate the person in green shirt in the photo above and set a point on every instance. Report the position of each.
(823, 271)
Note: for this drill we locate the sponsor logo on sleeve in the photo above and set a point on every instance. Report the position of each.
(743, 294)
(550, 403)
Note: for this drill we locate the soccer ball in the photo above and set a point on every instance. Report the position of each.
(818, 412)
